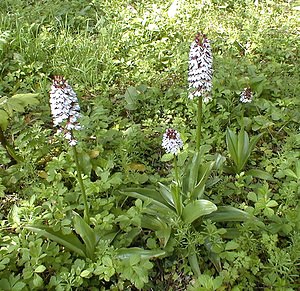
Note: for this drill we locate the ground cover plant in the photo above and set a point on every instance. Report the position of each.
(149, 145)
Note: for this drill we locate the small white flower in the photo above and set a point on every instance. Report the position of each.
(200, 68)
(172, 142)
(64, 108)
(246, 96)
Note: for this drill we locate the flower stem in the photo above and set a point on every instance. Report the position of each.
(242, 121)
(79, 175)
(177, 198)
(199, 123)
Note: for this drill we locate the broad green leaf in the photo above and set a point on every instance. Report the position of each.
(26, 99)
(290, 173)
(228, 213)
(298, 169)
(19, 286)
(163, 231)
(166, 194)
(231, 233)
(231, 245)
(196, 209)
(69, 241)
(15, 104)
(232, 141)
(253, 141)
(167, 157)
(85, 162)
(243, 149)
(252, 196)
(3, 119)
(177, 198)
(213, 257)
(193, 172)
(204, 172)
(194, 263)
(86, 233)
(131, 99)
(126, 253)
(146, 195)
(260, 174)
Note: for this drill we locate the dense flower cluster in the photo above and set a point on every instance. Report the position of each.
(200, 68)
(172, 142)
(246, 96)
(64, 108)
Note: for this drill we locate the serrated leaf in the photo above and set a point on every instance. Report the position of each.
(196, 209)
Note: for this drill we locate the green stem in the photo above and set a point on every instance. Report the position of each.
(177, 198)
(9, 149)
(79, 175)
(199, 123)
(242, 121)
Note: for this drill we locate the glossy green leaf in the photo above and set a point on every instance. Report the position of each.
(146, 194)
(85, 162)
(231, 141)
(69, 241)
(196, 209)
(203, 174)
(194, 263)
(260, 174)
(228, 213)
(240, 147)
(166, 194)
(163, 231)
(213, 257)
(126, 253)
(3, 119)
(192, 175)
(86, 233)
(26, 99)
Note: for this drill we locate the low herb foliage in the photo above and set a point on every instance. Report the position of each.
(149, 145)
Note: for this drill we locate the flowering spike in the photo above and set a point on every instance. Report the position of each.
(200, 68)
(64, 108)
(246, 96)
(172, 142)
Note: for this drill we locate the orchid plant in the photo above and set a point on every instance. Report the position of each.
(183, 201)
